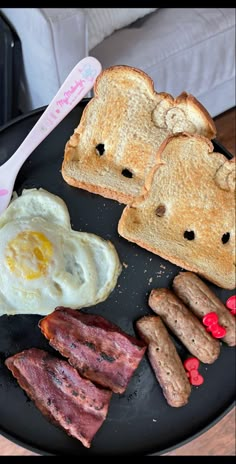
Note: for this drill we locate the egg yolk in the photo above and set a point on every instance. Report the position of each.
(29, 254)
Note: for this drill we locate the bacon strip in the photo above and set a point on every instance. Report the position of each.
(98, 349)
(60, 393)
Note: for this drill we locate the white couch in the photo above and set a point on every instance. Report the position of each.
(190, 49)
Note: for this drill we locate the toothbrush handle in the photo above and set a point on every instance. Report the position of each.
(75, 87)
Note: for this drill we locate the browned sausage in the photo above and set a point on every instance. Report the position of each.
(165, 360)
(184, 325)
(201, 300)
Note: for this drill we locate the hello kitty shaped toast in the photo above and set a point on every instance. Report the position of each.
(187, 211)
(114, 147)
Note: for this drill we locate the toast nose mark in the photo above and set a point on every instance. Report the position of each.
(160, 211)
(127, 173)
(100, 148)
(225, 238)
(189, 234)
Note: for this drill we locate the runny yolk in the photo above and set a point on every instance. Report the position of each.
(29, 254)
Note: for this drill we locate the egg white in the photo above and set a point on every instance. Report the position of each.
(81, 269)
(37, 203)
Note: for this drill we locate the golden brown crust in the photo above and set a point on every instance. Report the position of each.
(177, 261)
(193, 201)
(184, 96)
(188, 99)
(159, 162)
(131, 133)
(106, 193)
(124, 69)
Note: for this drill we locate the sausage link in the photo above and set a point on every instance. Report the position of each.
(184, 325)
(165, 360)
(201, 300)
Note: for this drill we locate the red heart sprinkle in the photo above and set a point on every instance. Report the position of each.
(210, 319)
(218, 331)
(231, 304)
(191, 363)
(196, 379)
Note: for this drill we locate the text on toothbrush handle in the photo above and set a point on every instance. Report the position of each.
(87, 74)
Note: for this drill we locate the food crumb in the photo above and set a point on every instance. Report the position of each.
(125, 265)
(154, 420)
(150, 281)
(162, 266)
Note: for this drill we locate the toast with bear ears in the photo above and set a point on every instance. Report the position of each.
(187, 211)
(114, 147)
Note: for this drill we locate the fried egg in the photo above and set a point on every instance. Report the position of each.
(44, 263)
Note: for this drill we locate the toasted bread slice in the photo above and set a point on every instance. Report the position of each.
(187, 212)
(115, 145)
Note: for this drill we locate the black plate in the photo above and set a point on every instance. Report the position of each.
(139, 421)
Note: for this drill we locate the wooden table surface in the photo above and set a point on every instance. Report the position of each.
(220, 439)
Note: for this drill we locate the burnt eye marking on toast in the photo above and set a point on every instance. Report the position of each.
(100, 149)
(127, 173)
(189, 234)
(193, 219)
(160, 211)
(225, 238)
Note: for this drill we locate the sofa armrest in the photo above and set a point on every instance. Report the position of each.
(53, 40)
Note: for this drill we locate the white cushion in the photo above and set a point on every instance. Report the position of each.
(104, 21)
(191, 49)
(53, 40)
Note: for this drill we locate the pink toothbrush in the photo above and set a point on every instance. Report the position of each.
(75, 87)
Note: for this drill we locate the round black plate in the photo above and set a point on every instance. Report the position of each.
(139, 421)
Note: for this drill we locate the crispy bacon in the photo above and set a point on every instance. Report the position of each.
(98, 349)
(60, 393)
